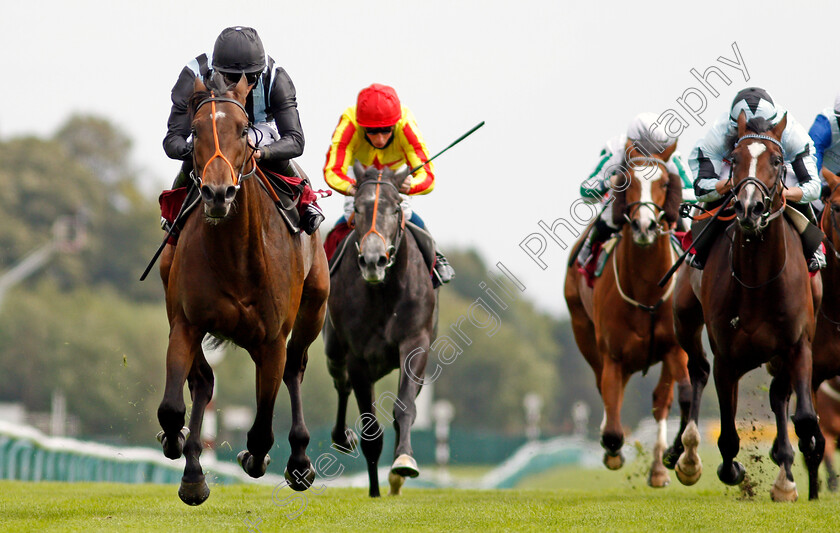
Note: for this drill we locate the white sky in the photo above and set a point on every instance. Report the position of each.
(553, 80)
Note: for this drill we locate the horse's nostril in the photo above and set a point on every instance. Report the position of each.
(758, 208)
(634, 224)
(652, 225)
(230, 192)
(206, 193)
(382, 261)
(362, 261)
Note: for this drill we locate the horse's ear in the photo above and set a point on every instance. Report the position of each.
(668, 152)
(358, 170)
(780, 127)
(400, 176)
(831, 178)
(199, 86)
(742, 124)
(241, 90)
(673, 198)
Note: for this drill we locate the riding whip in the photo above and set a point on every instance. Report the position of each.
(456, 141)
(681, 258)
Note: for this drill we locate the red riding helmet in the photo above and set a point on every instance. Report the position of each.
(378, 106)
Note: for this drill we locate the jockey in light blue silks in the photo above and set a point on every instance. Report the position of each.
(647, 137)
(709, 163)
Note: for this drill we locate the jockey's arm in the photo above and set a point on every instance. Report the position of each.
(179, 127)
(410, 139)
(341, 155)
(283, 105)
(799, 145)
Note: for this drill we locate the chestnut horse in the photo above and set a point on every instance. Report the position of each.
(757, 303)
(827, 338)
(240, 275)
(382, 317)
(828, 409)
(624, 324)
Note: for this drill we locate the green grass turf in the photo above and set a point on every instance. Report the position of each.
(579, 500)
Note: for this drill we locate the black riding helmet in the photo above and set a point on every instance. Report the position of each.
(238, 50)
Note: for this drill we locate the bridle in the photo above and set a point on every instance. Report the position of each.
(767, 193)
(392, 248)
(236, 176)
(658, 210)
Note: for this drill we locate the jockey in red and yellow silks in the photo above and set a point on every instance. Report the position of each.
(406, 148)
(379, 131)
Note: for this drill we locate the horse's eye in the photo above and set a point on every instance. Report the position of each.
(835, 208)
(777, 161)
(245, 132)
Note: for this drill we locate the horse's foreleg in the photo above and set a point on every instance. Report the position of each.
(677, 361)
(730, 471)
(344, 438)
(784, 489)
(613, 381)
(308, 323)
(370, 430)
(270, 359)
(811, 441)
(184, 343)
(413, 356)
(828, 459)
(194, 489)
(688, 326)
(663, 395)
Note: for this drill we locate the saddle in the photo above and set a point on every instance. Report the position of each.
(600, 253)
(286, 191)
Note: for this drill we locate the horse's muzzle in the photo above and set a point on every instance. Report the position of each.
(644, 231)
(750, 213)
(217, 199)
(373, 266)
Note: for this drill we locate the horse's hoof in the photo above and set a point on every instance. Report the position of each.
(688, 474)
(250, 465)
(405, 466)
(784, 490)
(613, 462)
(173, 450)
(194, 493)
(832, 484)
(659, 479)
(396, 481)
(734, 476)
(299, 474)
(348, 445)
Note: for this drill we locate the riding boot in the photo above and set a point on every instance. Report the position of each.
(710, 229)
(311, 219)
(443, 271)
(810, 234)
(600, 232)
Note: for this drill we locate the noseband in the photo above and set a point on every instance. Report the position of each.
(769, 194)
(391, 249)
(658, 210)
(237, 177)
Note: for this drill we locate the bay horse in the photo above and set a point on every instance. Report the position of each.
(624, 324)
(757, 304)
(826, 345)
(382, 316)
(240, 275)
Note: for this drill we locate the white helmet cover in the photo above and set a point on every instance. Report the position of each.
(647, 134)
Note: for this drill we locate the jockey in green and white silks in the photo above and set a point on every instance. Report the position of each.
(710, 165)
(649, 138)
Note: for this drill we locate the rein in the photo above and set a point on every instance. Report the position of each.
(237, 177)
(390, 249)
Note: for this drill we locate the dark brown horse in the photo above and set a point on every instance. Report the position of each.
(827, 337)
(757, 303)
(382, 317)
(239, 274)
(624, 324)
